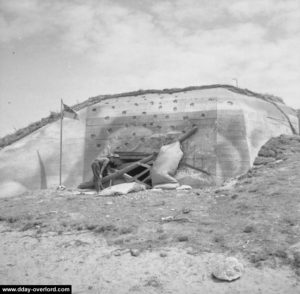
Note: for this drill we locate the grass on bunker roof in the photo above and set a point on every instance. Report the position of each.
(258, 217)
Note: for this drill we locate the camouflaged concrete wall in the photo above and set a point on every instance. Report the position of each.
(231, 129)
(33, 162)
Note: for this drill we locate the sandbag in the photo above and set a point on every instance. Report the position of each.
(166, 164)
(122, 189)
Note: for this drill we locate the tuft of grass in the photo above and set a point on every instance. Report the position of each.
(105, 229)
(9, 219)
(218, 238)
(153, 282)
(31, 225)
(182, 238)
(91, 227)
(248, 229)
(126, 230)
(163, 236)
(290, 221)
(259, 256)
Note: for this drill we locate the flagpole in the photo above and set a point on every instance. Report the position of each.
(61, 128)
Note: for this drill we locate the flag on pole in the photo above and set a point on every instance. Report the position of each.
(65, 111)
(69, 112)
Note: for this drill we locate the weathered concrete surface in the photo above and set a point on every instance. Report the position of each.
(34, 160)
(231, 129)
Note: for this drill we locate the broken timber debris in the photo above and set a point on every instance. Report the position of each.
(128, 168)
(135, 179)
(143, 162)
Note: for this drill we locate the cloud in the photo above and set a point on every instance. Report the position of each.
(169, 43)
(16, 19)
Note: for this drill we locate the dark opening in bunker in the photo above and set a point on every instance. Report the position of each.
(142, 172)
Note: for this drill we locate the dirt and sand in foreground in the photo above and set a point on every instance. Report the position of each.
(162, 241)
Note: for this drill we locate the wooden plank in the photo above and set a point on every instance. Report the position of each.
(146, 179)
(132, 153)
(133, 179)
(128, 177)
(142, 173)
(127, 169)
(128, 158)
(144, 165)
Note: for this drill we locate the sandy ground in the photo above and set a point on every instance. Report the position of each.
(91, 266)
(60, 237)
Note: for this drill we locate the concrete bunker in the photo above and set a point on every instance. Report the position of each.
(232, 126)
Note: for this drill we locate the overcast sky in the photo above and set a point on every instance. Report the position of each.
(72, 49)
